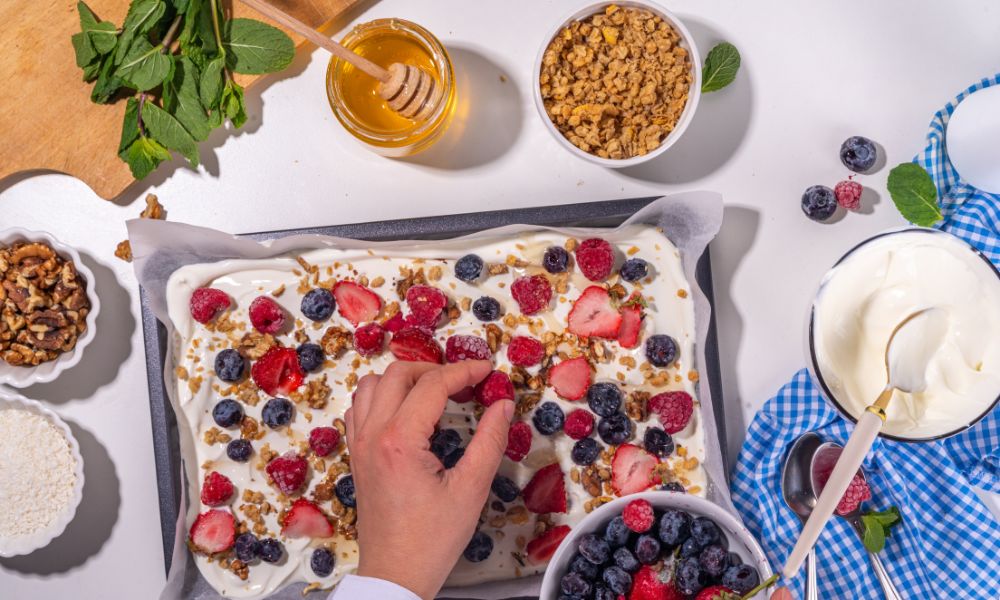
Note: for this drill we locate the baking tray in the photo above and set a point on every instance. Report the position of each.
(608, 213)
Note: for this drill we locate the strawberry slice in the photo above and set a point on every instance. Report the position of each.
(718, 592)
(594, 315)
(632, 469)
(415, 344)
(356, 303)
(208, 302)
(213, 532)
(426, 305)
(288, 472)
(631, 325)
(546, 492)
(648, 584)
(216, 490)
(541, 549)
(570, 378)
(306, 520)
(278, 371)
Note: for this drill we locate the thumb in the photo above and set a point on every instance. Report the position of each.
(482, 457)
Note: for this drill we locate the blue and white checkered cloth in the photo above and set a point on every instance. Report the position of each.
(948, 545)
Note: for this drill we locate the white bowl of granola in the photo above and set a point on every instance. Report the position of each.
(600, 103)
(46, 323)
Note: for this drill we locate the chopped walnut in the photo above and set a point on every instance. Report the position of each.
(335, 341)
(635, 405)
(124, 250)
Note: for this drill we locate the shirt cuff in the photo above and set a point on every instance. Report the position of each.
(354, 587)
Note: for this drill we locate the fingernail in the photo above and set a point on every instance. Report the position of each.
(508, 409)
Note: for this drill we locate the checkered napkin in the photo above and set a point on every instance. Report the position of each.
(949, 543)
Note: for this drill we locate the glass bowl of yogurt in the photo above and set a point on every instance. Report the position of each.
(876, 285)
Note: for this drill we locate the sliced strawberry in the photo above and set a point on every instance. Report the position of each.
(324, 440)
(649, 584)
(532, 293)
(306, 520)
(426, 305)
(356, 303)
(394, 323)
(466, 347)
(525, 351)
(495, 386)
(266, 315)
(213, 531)
(632, 470)
(546, 492)
(369, 339)
(717, 592)
(518, 441)
(278, 371)
(541, 549)
(594, 315)
(216, 490)
(570, 378)
(288, 472)
(208, 302)
(415, 344)
(631, 325)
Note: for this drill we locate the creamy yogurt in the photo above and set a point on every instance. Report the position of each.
(874, 289)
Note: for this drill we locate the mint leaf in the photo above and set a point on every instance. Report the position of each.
(914, 194)
(144, 155)
(887, 518)
(188, 108)
(102, 35)
(211, 83)
(142, 16)
(232, 104)
(84, 48)
(874, 537)
(255, 47)
(145, 66)
(162, 126)
(107, 84)
(721, 66)
(130, 126)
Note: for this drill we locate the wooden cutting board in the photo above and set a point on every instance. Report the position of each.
(47, 121)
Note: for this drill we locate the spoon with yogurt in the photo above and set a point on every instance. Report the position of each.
(912, 344)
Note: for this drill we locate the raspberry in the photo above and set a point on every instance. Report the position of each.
(206, 303)
(265, 315)
(532, 293)
(394, 323)
(518, 441)
(466, 347)
(426, 304)
(595, 258)
(638, 516)
(464, 395)
(369, 339)
(673, 408)
(216, 490)
(579, 424)
(288, 472)
(324, 440)
(496, 386)
(848, 194)
(857, 492)
(525, 351)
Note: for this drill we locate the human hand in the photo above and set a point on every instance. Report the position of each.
(414, 517)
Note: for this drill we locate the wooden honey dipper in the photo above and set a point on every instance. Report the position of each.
(409, 91)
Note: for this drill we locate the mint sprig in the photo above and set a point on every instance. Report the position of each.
(721, 66)
(878, 526)
(914, 194)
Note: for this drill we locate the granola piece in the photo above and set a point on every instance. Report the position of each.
(336, 341)
(124, 251)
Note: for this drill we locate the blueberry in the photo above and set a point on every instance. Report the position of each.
(505, 488)
(617, 533)
(634, 269)
(741, 578)
(479, 548)
(819, 203)
(452, 459)
(310, 357)
(444, 442)
(594, 548)
(658, 442)
(689, 578)
(584, 567)
(661, 350)
(647, 549)
(318, 304)
(713, 560)
(615, 429)
(626, 560)
(690, 548)
(573, 584)
(858, 153)
(469, 267)
(486, 309)
(227, 413)
(247, 547)
(585, 451)
(239, 450)
(734, 559)
(321, 562)
(675, 527)
(271, 550)
(673, 486)
(617, 579)
(548, 418)
(604, 398)
(556, 259)
(601, 592)
(229, 365)
(277, 413)
(345, 491)
(705, 531)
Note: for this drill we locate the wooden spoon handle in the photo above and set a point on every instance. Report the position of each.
(281, 17)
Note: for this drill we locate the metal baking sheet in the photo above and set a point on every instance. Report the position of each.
(608, 213)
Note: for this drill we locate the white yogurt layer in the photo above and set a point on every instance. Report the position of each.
(874, 289)
(670, 311)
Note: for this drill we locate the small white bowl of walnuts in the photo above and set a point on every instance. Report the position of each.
(618, 83)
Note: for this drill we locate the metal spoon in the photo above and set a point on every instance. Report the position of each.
(830, 451)
(797, 490)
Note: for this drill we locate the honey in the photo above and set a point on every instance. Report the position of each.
(354, 97)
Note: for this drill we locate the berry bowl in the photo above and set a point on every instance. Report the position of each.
(741, 553)
(23, 376)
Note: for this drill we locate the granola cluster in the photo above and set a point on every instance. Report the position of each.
(615, 84)
(43, 304)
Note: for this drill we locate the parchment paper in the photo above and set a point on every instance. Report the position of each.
(690, 220)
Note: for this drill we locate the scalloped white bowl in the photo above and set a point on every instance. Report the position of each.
(39, 539)
(48, 371)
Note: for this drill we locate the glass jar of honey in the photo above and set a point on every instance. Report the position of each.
(354, 97)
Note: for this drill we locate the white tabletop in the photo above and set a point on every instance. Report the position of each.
(813, 74)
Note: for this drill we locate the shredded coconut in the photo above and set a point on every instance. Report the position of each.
(37, 472)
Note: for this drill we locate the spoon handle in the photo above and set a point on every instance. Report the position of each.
(812, 590)
(850, 460)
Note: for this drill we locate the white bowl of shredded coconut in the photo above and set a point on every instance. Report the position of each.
(41, 475)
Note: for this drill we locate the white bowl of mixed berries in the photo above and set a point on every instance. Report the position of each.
(657, 546)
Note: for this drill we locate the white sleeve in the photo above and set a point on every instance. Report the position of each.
(353, 587)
